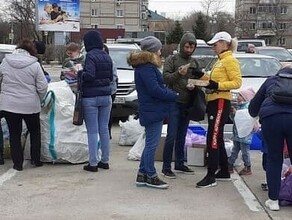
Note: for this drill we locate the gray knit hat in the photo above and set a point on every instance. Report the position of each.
(151, 44)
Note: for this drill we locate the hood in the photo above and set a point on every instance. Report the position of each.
(92, 39)
(285, 71)
(20, 59)
(136, 58)
(187, 37)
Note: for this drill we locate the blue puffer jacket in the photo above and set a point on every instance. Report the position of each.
(97, 74)
(153, 97)
(262, 105)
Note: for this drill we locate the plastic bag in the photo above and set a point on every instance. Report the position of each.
(130, 131)
(136, 151)
(244, 122)
(285, 195)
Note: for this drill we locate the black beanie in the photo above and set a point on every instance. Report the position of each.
(40, 46)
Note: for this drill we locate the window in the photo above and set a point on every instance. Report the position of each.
(119, 2)
(144, 16)
(93, 12)
(282, 41)
(282, 26)
(94, 26)
(252, 10)
(283, 10)
(120, 13)
(120, 26)
(252, 26)
(266, 25)
(268, 41)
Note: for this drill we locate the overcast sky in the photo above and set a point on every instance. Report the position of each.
(179, 8)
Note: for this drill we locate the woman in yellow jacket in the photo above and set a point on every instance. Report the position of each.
(225, 76)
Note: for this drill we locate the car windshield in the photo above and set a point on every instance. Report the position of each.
(242, 46)
(119, 56)
(280, 54)
(204, 51)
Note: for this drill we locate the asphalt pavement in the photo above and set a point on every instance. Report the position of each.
(65, 191)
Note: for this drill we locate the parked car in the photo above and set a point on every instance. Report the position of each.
(282, 54)
(255, 68)
(126, 101)
(6, 49)
(204, 54)
(243, 43)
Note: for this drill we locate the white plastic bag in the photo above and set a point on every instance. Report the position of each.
(228, 147)
(136, 151)
(244, 122)
(130, 131)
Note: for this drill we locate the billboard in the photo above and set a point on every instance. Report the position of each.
(58, 15)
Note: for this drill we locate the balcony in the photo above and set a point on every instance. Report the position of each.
(264, 33)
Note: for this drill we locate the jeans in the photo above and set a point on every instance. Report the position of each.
(276, 128)
(176, 133)
(244, 148)
(96, 112)
(153, 134)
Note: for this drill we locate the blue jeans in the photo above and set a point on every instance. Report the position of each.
(244, 148)
(176, 134)
(153, 134)
(276, 128)
(96, 116)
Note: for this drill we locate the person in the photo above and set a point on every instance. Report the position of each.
(72, 65)
(241, 142)
(250, 48)
(23, 85)
(153, 99)
(275, 119)
(114, 85)
(1, 143)
(225, 76)
(41, 49)
(45, 16)
(97, 76)
(57, 14)
(176, 71)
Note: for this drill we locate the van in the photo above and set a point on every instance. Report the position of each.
(243, 43)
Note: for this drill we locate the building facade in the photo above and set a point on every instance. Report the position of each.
(130, 15)
(265, 19)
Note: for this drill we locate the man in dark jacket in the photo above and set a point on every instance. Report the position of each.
(97, 76)
(176, 72)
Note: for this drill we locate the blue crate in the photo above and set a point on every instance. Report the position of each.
(197, 130)
(256, 143)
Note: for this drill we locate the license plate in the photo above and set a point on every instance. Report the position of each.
(119, 100)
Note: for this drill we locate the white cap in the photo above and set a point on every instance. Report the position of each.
(220, 36)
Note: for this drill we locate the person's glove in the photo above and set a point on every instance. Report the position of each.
(198, 73)
(212, 85)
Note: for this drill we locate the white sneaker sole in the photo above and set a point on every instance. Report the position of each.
(207, 186)
(169, 177)
(187, 173)
(164, 186)
(272, 207)
(223, 179)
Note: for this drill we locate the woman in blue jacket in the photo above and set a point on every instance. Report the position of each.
(273, 114)
(153, 99)
(97, 76)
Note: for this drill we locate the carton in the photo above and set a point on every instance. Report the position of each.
(159, 150)
(196, 155)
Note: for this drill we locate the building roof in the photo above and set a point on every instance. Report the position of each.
(153, 16)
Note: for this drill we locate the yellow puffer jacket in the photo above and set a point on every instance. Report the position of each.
(226, 72)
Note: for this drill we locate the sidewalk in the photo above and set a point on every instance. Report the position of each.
(65, 191)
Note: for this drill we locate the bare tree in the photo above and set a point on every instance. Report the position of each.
(213, 6)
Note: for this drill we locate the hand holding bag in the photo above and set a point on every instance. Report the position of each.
(78, 111)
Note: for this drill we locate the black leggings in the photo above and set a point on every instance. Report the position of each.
(14, 122)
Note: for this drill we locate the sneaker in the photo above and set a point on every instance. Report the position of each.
(37, 164)
(168, 174)
(155, 182)
(245, 171)
(103, 165)
(223, 176)
(264, 186)
(184, 169)
(208, 181)
(141, 179)
(273, 205)
(90, 168)
(230, 169)
(18, 168)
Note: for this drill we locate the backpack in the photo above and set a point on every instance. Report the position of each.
(282, 89)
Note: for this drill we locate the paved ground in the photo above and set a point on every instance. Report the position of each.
(65, 191)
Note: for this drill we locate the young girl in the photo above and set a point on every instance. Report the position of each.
(242, 135)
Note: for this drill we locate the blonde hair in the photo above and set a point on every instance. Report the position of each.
(233, 44)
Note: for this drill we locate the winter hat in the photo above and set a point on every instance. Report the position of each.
(93, 39)
(247, 93)
(40, 46)
(151, 44)
(223, 35)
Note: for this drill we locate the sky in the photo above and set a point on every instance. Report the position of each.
(180, 8)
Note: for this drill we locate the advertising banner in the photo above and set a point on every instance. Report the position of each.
(58, 15)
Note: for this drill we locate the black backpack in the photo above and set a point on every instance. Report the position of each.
(282, 89)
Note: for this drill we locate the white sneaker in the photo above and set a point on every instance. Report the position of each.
(272, 204)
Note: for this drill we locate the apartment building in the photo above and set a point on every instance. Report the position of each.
(266, 19)
(130, 15)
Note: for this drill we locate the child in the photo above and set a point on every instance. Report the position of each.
(242, 132)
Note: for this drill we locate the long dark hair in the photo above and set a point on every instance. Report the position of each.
(27, 45)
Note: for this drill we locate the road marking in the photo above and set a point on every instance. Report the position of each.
(249, 198)
(9, 174)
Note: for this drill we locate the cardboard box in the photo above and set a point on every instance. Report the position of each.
(196, 155)
(159, 150)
